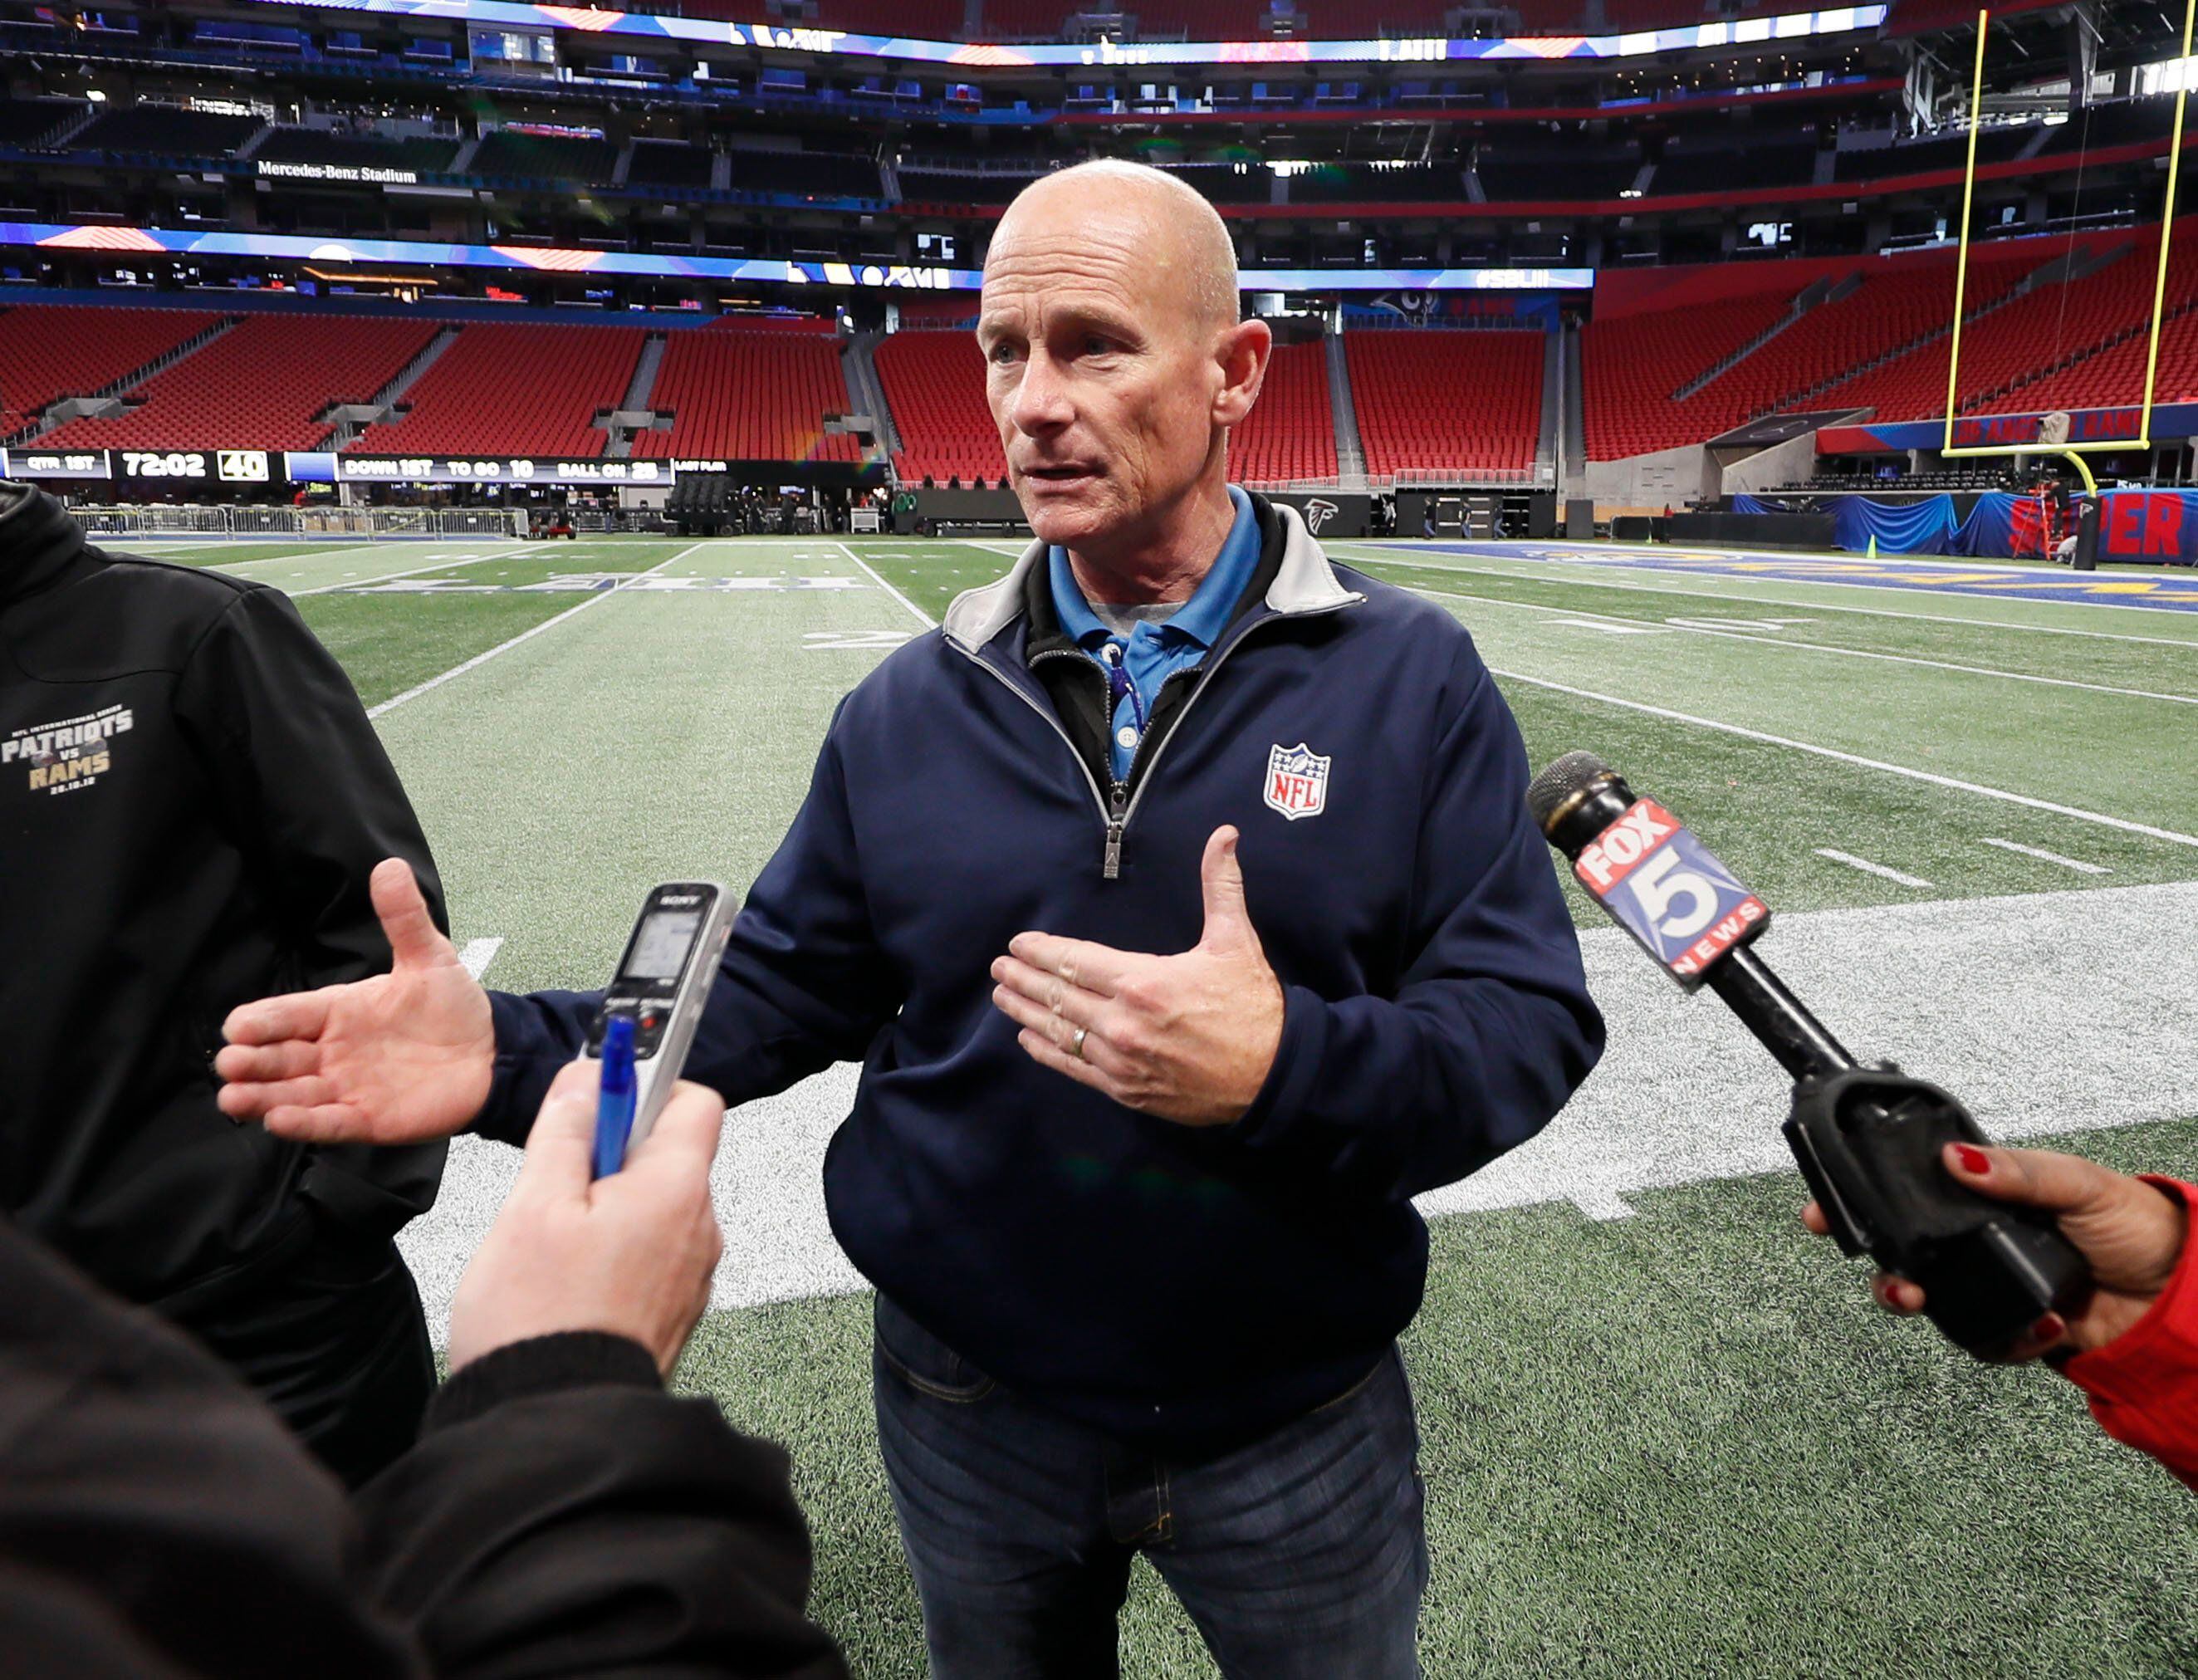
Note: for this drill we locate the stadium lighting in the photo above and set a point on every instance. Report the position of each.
(504, 15)
(592, 261)
(2170, 75)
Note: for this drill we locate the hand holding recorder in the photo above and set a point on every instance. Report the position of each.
(409, 1055)
(629, 1255)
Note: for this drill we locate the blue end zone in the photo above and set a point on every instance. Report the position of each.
(1933, 577)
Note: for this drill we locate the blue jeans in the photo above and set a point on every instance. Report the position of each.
(1301, 1556)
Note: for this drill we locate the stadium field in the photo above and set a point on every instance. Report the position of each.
(1665, 1432)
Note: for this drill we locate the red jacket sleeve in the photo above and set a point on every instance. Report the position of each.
(2143, 1385)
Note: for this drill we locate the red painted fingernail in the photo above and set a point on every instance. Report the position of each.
(2051, 1328)
(1973, 1159)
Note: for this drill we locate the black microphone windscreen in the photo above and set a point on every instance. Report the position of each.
(1558, 782)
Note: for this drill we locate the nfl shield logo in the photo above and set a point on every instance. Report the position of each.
(1297, 781)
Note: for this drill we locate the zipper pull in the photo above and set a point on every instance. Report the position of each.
(1117, 814)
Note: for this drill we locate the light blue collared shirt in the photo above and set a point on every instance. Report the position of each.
(1151, 651)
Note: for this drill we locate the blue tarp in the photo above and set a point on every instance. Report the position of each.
(1925, 525)
(1899, 527)
(1988, 533)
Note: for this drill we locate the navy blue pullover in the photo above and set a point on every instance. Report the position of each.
(1181, 1288)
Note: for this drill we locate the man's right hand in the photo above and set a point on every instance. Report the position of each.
(400, 1058)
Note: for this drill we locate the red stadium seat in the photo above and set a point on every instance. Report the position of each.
(935, 383)
(1290, 433)
(1444, 401)
(263, 384)
(2086, 348)
(51, 351)
(749, 396)
(516, 389)
(2080, 343)
(1632, 366)
(1896, 303)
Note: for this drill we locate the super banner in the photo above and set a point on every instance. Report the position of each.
(215, 468)
(2156, 526)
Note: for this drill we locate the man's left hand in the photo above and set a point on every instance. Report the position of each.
(1189, 1038)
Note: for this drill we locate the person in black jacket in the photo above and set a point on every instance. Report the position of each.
(561, 1515)
(190, 799)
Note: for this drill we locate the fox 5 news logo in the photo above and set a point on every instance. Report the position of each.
(1662, 886)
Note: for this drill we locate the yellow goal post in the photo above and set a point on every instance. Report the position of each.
(2074, 451)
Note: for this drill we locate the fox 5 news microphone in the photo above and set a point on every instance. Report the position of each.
(1868, 1139)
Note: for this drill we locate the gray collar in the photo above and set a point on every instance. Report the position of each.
(1305, 584)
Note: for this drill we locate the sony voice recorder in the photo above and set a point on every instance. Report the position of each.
(641, 1035)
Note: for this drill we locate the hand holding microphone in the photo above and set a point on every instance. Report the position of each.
(2131, 1232)
(1995, 1276)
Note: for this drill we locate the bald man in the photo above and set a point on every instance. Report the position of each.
(1179, 901)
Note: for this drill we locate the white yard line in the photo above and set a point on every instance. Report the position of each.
(924, 618)
(396, 700)
(324, 552)
(1869, 868)
(1598, 622)
(2075, 864)
(390, 577)
(1602, 581)
(1672, 1103)
(478, 955)
(1660, 559)
(1624, 626)
(2024, 799)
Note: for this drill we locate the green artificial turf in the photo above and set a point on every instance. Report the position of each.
(1676, 1444)
(183, 551)
(1684, 1443)
(2090, 658)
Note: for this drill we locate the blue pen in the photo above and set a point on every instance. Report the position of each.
(614, 1106)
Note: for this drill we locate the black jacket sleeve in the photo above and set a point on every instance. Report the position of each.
(307, 793)
(562, 1514)
(156, 1511)
(308, 796)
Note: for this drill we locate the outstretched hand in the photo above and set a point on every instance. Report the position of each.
(1189, 1038)
(2132, 1234)
(398, 1058)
